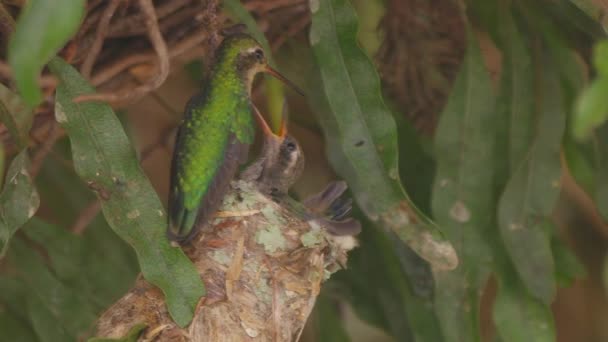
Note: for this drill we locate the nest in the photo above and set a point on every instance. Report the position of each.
(262, 268)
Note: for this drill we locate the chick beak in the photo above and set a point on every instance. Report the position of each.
(268, 133)
(282, 78)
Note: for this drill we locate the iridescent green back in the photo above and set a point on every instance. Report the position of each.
(215, 133)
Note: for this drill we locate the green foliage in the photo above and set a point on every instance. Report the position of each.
(363, 135)
(592, 106)
(327, 321)
(463, 192)
(43, 28)
(15, 115)
(532, 191)
(490, 178)
(60, 299)
(104, 158)
(497, 178)
(19, 199)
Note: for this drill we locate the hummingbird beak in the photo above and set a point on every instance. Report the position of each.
(282, 78)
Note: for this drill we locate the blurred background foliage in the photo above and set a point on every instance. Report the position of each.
(474, 128)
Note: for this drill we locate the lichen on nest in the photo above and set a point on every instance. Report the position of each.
(257, 289)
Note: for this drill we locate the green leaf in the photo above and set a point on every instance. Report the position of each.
(600, 57)
(80, 264)
(600, 148)
(580, 160)
(328, 325)
(15, 330)
(593, 11)
(18, 201)
(567, 265)
(54, 177)
(396, 297)
(517, 92)
(463, 193)
(362, 135)
(531, 193)
(13, 297)
(518, 316)
(591, 109)
(44, 26)
(274, 89)
(104, 158)
(54, 308)
(131, 336)
(16, 116)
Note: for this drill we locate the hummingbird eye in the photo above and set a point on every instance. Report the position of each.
(259, 55)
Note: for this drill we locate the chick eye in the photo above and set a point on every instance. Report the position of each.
(291, 147)
(259, 54)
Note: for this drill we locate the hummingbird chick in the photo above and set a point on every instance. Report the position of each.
(214, 136)
(280, 165)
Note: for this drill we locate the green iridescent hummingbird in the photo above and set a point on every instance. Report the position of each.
(214, 136)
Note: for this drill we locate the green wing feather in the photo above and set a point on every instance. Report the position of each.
(206, 158)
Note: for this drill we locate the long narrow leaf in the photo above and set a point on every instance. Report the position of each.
(104, 158)
(16, 116)
(463, 195)
(53, 307)
(19, 200)
(532, 191)
(361, 133)
(43, 28)
(518, 316)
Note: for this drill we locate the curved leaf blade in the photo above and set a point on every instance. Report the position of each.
(532, 191)
(19, 199)
(104, 158)
(16, 116)
(55, 309)
(464, 192)
(519, 316)
(362, 135)
(43, 27)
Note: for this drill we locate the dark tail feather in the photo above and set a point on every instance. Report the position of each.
(320, 202)
(212, 200)
(347, 227)
(341, 208)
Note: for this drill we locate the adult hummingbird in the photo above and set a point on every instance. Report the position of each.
(214, 136)
(279, 166)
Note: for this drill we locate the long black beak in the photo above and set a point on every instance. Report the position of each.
(276, 74)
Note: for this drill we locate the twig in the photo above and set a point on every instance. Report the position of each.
(86, 217)
(132, 25)
(109, 72)
(163, 57)
(100, 37)
(45, 81)
(7, 23)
